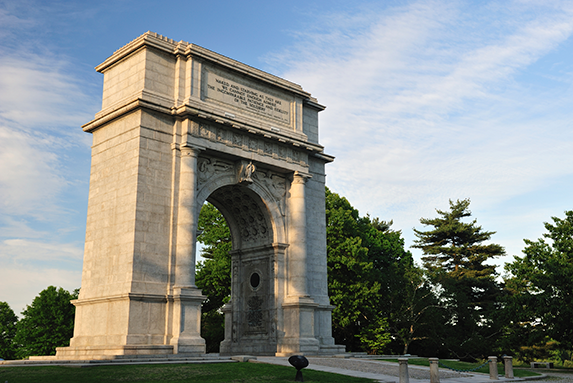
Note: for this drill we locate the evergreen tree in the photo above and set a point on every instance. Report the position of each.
(8, 322)
(540, 288)
(455, 256)
(46, 324)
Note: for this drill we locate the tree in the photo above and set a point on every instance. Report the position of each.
(455, 256)
(413, 310)
(540, 287)
(47, 323)
(366, 262)
(214, 273)
(8, 322)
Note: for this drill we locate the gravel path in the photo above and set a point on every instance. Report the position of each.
(555, 376)
(379, 367)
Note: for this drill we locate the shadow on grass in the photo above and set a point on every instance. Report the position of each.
(203, 373)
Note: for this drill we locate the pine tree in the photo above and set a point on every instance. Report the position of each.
(455, 257)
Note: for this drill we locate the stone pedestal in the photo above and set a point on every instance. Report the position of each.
(187, 322)
(404, 374)
(493, 375)
(434, 370)
(508, 366)
(299, 334)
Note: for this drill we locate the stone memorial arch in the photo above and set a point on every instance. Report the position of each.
(181, 125)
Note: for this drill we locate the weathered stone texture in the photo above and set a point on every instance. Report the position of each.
(180, 125)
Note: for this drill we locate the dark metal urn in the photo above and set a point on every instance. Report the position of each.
(299, 362)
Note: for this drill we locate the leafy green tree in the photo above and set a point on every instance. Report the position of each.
(47, 323)
(8, 322)
(366, 262)
(214, 273)
(414, 309)
(540, 287)
(455, 258)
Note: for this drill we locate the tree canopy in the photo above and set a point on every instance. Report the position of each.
(46, 324)
(8, 322)
(540, 286)
(214, 273)
(366, 264)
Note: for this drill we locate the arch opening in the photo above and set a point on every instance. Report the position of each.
(250, 308)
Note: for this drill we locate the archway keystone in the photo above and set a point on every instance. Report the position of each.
(181, 125)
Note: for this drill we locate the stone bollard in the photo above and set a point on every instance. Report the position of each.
(404, 375)
(508, 363)
(434, 371)
(493, 368)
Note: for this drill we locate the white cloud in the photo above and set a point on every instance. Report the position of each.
(22, 250)
(430, 101)
(43, 102)
(38, 93)
(42, 105)
(29, 174)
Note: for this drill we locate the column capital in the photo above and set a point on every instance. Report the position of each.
(190, 150)
(300, 177)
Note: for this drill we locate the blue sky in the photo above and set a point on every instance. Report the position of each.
(426, 101)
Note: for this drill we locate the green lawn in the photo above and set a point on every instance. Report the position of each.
(468, 366)
(204, 373)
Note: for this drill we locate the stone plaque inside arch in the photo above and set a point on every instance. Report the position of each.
(181, 125)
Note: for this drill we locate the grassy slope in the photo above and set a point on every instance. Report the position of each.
(203, 373)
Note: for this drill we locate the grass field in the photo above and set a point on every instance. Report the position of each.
(468, 366)
(203, 373)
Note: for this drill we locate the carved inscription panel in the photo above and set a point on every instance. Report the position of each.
(234, 91)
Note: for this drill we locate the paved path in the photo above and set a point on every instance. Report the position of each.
(555, 376)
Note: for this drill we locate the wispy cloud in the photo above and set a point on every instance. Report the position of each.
(21, 250)
(44, 99)
(432, 100)
(41, 109)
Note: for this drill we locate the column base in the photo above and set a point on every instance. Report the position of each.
(187, 321)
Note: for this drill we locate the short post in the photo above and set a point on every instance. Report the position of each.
(493, 368)
(508, 365)
(404, 375)
(299, 362)
(434, 371)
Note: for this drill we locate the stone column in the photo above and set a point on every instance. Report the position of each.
(508, 366)
(297, 262)
(298, 306)
(404, 375)
(492, 367)
(187, 216)
(434, 370)
(187, 298)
